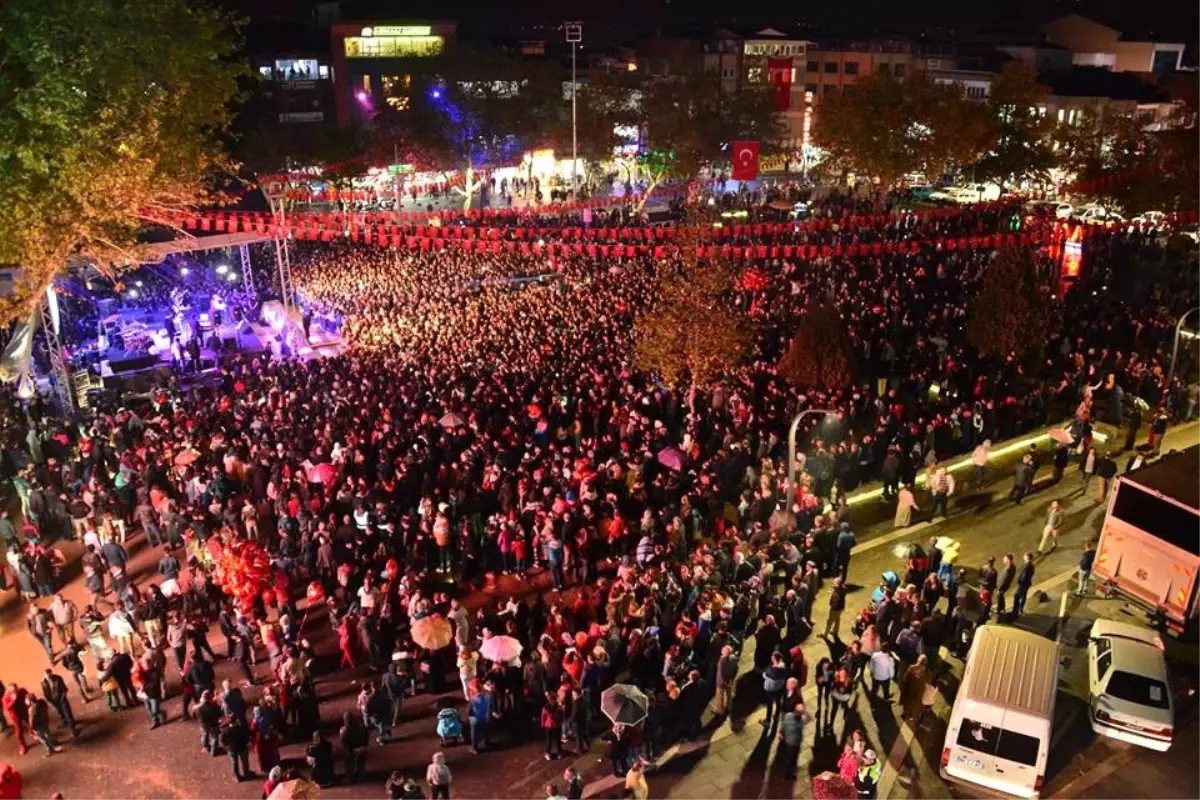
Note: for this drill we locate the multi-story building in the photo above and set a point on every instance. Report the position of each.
(1095, 45)
(833, 66)
(372, 63)
(297, 85)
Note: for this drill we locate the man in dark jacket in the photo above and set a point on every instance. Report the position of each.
(120, 666)
(200, 675)
(208, 714)
(1022, 477)
(727, 669)
(845, 545)
(235, 737)
(1024, 582)
(1007, 575)
(54, 689)
(837, 604)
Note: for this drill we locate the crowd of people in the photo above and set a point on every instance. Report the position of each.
(486, 419)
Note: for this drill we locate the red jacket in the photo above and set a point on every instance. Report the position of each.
(552, 718)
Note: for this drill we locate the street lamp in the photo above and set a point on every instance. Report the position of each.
(1175, 345)
(791, 482)
(574, 32)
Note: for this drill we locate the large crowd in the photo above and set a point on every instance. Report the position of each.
(486, 418)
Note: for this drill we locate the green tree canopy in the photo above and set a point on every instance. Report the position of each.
(1023, 148)
(887, 128)
(819, 355)
(1010, 311)
(111, 112)
(685, 120)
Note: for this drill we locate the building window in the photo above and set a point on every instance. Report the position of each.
(323, 71)
(393, 46)
(810, 88)
(831, 67)
(830, 88)
(976, 92)
(851, 68)
(899, 70)
(754, 74)
(813, 66)
(264, 72)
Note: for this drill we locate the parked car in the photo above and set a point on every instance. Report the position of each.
(1060, 209)
(921, 191)
(1148, 218)
(1096, 214)
(1130, 698)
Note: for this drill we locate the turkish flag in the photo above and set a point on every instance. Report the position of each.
(745, 161)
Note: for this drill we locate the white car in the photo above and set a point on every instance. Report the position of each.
(1060, 209)
(1130, 696)
(1098, 215)
(1148, 218)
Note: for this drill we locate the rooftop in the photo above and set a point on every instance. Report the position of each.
(1174, 475)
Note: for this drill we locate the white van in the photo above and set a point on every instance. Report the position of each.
(999, 732)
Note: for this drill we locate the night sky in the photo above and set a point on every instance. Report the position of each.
(629, 19)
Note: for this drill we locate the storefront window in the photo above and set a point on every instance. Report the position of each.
(393, 46)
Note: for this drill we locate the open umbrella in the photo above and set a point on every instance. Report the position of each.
(432, 632)
(299, 789)
(500, 648)
(908, 550)
(624, 704)
(186, 457)
(451, 420)
(322, 473)
(671, 458)
(1059, 435)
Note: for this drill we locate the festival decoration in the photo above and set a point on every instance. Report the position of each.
(243, 571)
(391, 569)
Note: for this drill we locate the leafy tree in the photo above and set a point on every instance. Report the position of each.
(1010, 311)
(694, 332)
(471, 107)
(1131, 167)
(887, 128)
(111, 113)
(1024, 136)
(819, 355)
(686, 121)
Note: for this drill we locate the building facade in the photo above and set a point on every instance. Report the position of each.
(298, 87)
(372, 63)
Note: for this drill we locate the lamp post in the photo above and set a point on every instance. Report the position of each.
(1175, 344)
(791, 482)
(574, 32)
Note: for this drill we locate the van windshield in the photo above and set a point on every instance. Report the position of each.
(1006, 744)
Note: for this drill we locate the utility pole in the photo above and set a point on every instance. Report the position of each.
(574, 36)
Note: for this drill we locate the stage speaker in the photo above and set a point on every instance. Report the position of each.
(128, 362)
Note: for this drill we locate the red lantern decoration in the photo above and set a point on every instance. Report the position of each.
(391, 569)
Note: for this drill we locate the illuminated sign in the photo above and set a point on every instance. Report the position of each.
(398, 30)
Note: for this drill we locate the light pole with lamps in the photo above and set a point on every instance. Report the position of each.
(574, 32)
(791, 482)
(1175, 345)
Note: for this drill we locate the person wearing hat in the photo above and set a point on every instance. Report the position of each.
(867, 778)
